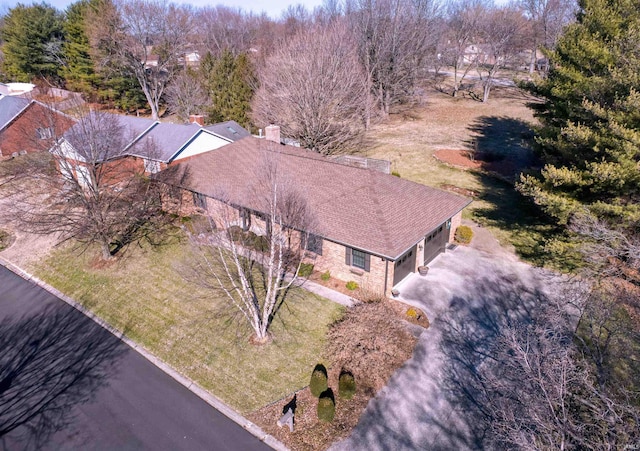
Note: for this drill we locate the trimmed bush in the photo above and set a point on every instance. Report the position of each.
(305, 269)
(395, 174)
(412, 313)
(464, 234)
(261, 243)
(318, 383)
(325, 276)
(351, 285)
(346, 385)
(326, 406)
(236, 234)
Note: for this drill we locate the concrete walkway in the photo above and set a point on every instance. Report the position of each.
(328, 293)
(468, 296)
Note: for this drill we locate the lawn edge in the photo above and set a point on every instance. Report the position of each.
(189, 384)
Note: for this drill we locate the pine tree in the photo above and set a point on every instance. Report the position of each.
(229, 80)
(32, 38)
(589, 137)
(79, 71)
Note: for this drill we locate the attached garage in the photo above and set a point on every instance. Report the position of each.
(404, 266)
(435, 242)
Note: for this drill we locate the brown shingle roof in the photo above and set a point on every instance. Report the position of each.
(361, 208)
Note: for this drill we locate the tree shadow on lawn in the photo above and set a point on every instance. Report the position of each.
(529, 229)
(50, 362)
(502, 144)
(436, 393)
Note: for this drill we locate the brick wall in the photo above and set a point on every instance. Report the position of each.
(333, 260)
(455, 223)
(22, 134)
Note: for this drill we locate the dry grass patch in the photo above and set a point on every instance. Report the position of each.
(372, 342)
(143, 295)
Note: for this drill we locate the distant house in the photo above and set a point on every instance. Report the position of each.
(372, 227)
(29, 126)
(146, 145)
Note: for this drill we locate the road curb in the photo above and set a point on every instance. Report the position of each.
(189, 384)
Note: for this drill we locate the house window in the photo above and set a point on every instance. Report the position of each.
(314, 244)
(358, 259)
(200, 201)
(44, 132)
(151, 166)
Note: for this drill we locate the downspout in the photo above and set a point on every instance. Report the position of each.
(386, 273)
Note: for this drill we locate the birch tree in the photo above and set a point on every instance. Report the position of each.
(254, 271)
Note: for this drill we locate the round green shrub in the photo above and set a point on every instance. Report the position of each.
(346, 385)
(464, 234)
(326, 406)
(351, 285)
(305, 269)
(395, 173)
(325, 276)
(318, 383)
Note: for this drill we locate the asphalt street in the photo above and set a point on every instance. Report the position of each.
(66, 383)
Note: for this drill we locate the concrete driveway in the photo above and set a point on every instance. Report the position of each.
(468, 295)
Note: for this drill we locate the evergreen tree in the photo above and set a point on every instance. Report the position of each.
(79, 71)
(589, 137)
(32, 38)
(229, 81)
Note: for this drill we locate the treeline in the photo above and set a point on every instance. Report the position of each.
(322, 75)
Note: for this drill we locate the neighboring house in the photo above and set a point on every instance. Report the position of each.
(372, 227)
(29, 126)
(147, 145)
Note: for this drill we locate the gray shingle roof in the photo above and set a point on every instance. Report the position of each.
(9, 107)
(230, 130)
(365, 209)
(166, 139)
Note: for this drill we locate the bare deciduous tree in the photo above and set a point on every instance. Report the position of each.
(547, 19)
(146, 38)
(313, 88)
(465, 18)
(503, 32)
(84, 190)
(394, 38)
(186, 96)
(254, 271)
(224, 28)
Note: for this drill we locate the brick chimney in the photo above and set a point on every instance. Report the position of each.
(272, 133)
(197, 119)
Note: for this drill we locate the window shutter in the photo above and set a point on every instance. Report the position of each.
(367, 262)
(347, 256)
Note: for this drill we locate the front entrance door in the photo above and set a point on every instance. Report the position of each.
(404, 266)
(435, 243)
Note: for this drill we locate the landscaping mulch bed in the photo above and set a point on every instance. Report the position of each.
(371, 341)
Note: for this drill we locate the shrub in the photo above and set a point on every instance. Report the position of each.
(346, 385)
(305, 269)
(5, 239)
(318, 383)
(351, 285)
(412, 313)
(261, 243)
(236, 234)
(326, 406)
(395, 174)
(464, 234)
(325, 276)
(368, 295)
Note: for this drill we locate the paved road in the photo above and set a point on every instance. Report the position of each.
(66, 383)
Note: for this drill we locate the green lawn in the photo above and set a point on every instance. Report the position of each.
(143, 295)
(500, 127)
